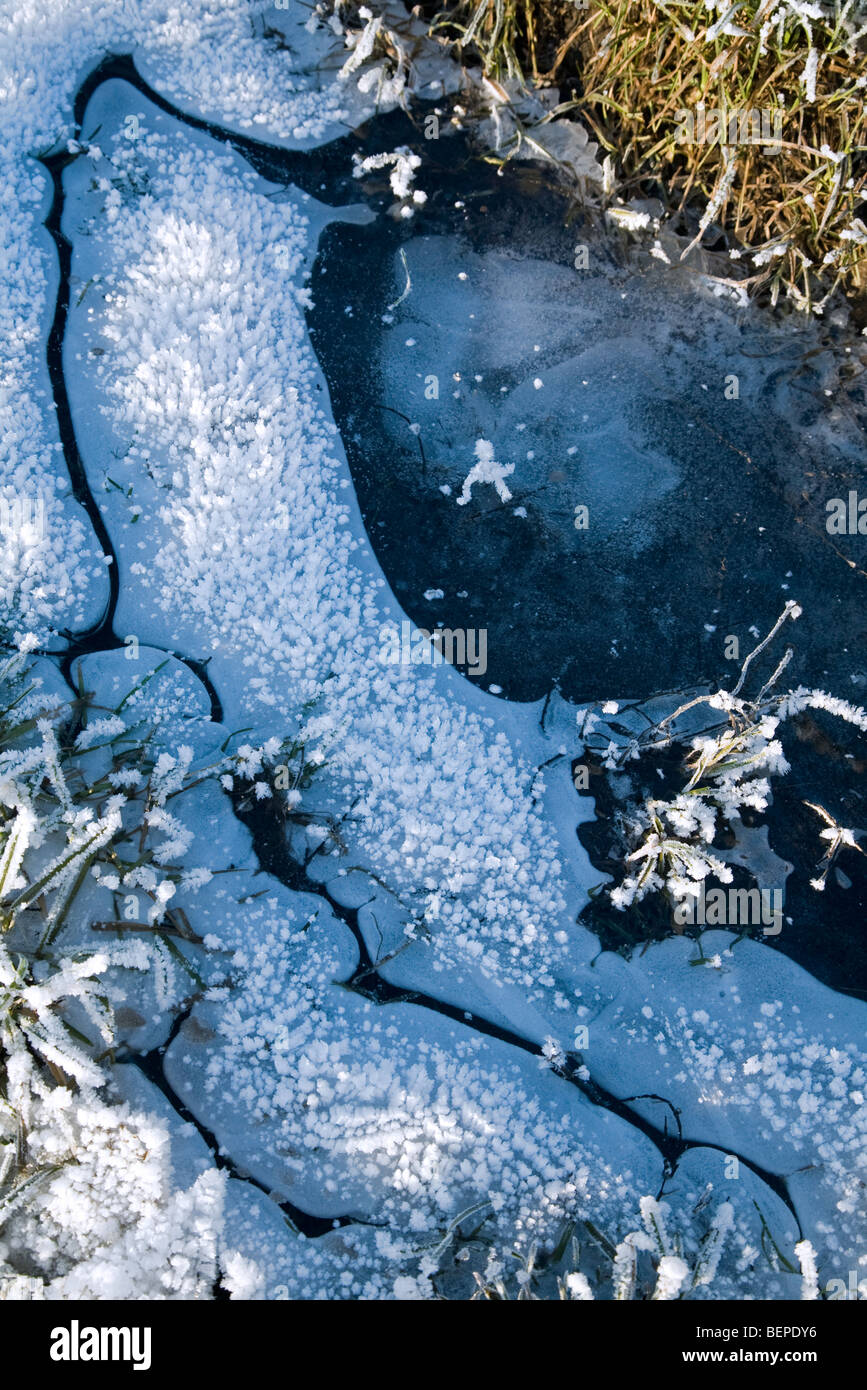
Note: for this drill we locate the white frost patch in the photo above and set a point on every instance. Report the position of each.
(772, 1066)
(392, 1112)
(241, 530)
(110, 1224)
(206, 56)
(486, 469)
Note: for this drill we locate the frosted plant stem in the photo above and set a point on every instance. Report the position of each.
(788, 611)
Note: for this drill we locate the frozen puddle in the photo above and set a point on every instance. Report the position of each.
(444, 853)
(697, 437)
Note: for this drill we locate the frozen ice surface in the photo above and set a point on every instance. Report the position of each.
(207, 57)
(488, 338)
(413, 1126)
(205, 429)
(155, 689)
(237, 543)
(53, 576)
(759, 1058)
(135, 1217)
(672, 456)
(51, 570)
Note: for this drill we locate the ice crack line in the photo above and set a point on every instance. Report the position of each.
(150, 1064)
(275, 858)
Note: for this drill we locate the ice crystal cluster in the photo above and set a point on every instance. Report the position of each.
(730, 770)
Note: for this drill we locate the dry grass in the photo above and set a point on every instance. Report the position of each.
(791, 210)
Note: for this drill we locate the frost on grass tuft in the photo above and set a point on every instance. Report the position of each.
(88, 1205)
(729, 771)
